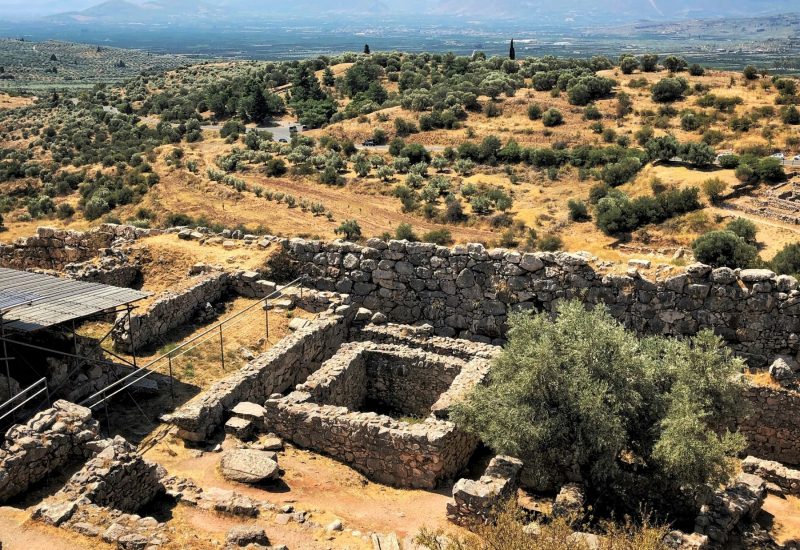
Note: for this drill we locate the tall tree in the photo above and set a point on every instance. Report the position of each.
(512, 54)
(366, 49)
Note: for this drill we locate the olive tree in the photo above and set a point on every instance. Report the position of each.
(581, 398)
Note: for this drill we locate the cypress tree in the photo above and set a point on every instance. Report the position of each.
(512, 54)
(366, 49)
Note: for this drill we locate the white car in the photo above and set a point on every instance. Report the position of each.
(779, 156)
(796, 157)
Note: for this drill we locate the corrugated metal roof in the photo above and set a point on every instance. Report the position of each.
(32, 301)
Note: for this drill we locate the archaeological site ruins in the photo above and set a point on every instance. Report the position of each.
(129, 406)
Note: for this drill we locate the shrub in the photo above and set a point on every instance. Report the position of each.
(667, 90)
(275, 167)
(552, 117)
(729, 162)
(724, 249)
(750, 72)
(442, 237)
(95, 207)
(610, 400)
(744, 228)
(713, 189)
(64, 211)
(349, 229)
(787, 260)
(578, 211)
(617, 173)
(696, 70)
(534, 111)
(550, 243)
(405, 232)
(616, 213)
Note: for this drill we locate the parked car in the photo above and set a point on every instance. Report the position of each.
(779, 156)
(796, 157)
(368, 143)
(283, 140)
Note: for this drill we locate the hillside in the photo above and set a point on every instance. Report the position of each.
(472, 158)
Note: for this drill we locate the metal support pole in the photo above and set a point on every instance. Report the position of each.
(47, 394)
(221, 348)
(105, 406)
(171, 380)
(266, 316)
(6, 359)
(133, 336)
(74, 347)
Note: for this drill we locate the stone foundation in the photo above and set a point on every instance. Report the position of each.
(168, 312)
(324, 412)
(287, 363)
(740, 501)
(46, 444)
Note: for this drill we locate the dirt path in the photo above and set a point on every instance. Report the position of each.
(16, 534)
(325, 487)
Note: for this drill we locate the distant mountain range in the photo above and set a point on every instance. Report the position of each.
(579, 11)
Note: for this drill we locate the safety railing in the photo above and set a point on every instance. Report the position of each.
(164, 361)
(32, 392)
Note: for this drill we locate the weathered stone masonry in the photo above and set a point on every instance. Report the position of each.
(47, 443)
(468, 291)
(286, 364)
(772, 427)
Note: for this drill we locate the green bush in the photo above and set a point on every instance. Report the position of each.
(724, 249)
(552, 117)
(578, 211)
(581, 396)
(442, 237)
(743, 228)
(668, 90)
(405, 232)
(350, 229)
(534, 111)
(787, 260)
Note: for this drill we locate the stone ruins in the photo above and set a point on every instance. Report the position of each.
(400, 333)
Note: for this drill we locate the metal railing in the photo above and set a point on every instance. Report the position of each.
(41, 384)
(136, 376)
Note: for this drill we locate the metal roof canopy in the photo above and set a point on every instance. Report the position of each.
(33, 301)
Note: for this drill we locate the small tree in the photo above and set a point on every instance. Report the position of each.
(366, 49)
(750, 72)
(649, 62)
(552, 117)
(578, 212)
(350, 229)
(512, 54)
(743, 228)
(534, 111)
(713, 189)
(581, 397)
(787, 260)
(724, 249)
(628, 64)
(328, 78)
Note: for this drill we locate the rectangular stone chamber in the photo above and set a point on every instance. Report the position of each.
(383, 410)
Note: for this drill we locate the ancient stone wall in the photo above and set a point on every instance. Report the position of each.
(54, 248)
(287, 363)
(385, 450)
(476, 501)
(117, 477)
(171, 310)
(341, 381)
(772, 427)
(468, 291)
(45, 444)
(785, 479)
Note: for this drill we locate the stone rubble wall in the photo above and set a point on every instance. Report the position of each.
(117, 477)
(475, 501)
(468, 291)
(740, 501)
(54, 248)
(387, 451)
(321, 413)
(786, 479)
(287, 363)
(171, 310)
(772, 427)
(341, 381)
(48, 442)
(408, 381)
(111, 268)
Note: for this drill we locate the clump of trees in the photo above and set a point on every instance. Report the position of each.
(617, 213)
(581, 398)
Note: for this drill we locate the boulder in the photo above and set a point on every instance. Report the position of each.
(249, 466)
(246, 534)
